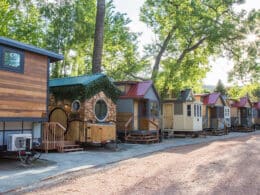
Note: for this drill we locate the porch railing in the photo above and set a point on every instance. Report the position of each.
(53, 136)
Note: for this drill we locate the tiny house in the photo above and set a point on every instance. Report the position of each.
(138, 108)
(24, 73)
(85, 107)
(241, 112)
(215, 112)
(183, 114)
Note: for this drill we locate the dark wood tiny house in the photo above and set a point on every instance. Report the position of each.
(241, 112)
(24, 73)
(215, 112)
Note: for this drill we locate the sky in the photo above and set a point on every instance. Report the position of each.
(220, 66)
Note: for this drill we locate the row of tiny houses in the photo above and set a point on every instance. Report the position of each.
(89, 109)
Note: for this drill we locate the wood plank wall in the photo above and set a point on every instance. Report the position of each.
(24, 95)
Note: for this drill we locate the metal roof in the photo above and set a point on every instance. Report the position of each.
(137, 89)
(257, 105)
(211, 98)
(16, 44)
(79, 80)
(242, 102)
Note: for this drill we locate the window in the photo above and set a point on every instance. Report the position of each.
(154, 108)
(226, 112)
(75, 106)
(195, 110)
(188, 110)
(101, 110)
(200, 111)
(178, 109)
(12, 59)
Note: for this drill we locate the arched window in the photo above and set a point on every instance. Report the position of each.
(101, 110)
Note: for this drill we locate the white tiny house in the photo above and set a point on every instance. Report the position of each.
(183, 114)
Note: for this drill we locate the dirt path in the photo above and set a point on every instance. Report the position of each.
(222, 167)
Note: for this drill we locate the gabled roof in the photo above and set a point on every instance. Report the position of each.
(84, 87)
(138, 89)
(257, 105)
(185, 95)
(212, 98)
(242, 102)
(16, 44)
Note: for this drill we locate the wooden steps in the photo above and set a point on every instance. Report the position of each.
(70, 146)
(142, 137)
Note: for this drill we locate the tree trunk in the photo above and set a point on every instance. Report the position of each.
(160, 54)
(98, 39)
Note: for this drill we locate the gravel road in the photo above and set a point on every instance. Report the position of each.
(222, 167)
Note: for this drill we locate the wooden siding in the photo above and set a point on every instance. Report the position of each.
(219, 102)
(24, 95)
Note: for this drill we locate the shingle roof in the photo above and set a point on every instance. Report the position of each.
(80, 80)
(184, 95)
(16, 44)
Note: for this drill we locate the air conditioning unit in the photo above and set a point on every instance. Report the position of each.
(17, 142)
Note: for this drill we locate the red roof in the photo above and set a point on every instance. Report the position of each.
(211, 98)
(257, 105)
(138, 89)
(241, 103)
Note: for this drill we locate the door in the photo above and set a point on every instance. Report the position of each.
(135, 114)
(143, 115)
(168, 116)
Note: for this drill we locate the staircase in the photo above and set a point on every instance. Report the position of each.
(70, 146)
(142, 137)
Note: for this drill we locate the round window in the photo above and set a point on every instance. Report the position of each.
(75, 106)
(101, 110)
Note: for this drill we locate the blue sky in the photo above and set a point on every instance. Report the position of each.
(220, 66)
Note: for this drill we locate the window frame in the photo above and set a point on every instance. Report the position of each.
(189, 110)
(19, 69)
(94, 111)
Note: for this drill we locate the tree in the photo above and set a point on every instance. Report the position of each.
(220, 88)
(98, 38)
(245, 52)
(187, 33)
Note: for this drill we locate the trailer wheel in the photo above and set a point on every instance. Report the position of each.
(28, 157)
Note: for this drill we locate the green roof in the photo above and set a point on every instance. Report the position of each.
(80, 80)
(83, 87)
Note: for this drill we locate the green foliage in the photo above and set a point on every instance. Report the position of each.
(253, 90)
(220, 88)
(245, 52)
(187, 32)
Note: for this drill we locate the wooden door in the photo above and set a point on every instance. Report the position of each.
(135, 115)
(168, 116)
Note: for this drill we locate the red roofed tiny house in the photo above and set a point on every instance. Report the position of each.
(215, 112)
(241, 112)
(138, 111)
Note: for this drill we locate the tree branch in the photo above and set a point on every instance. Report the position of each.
(160, 54)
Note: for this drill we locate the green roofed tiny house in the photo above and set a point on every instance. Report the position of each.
(85, 107)
(24, 75)
(138, 112)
